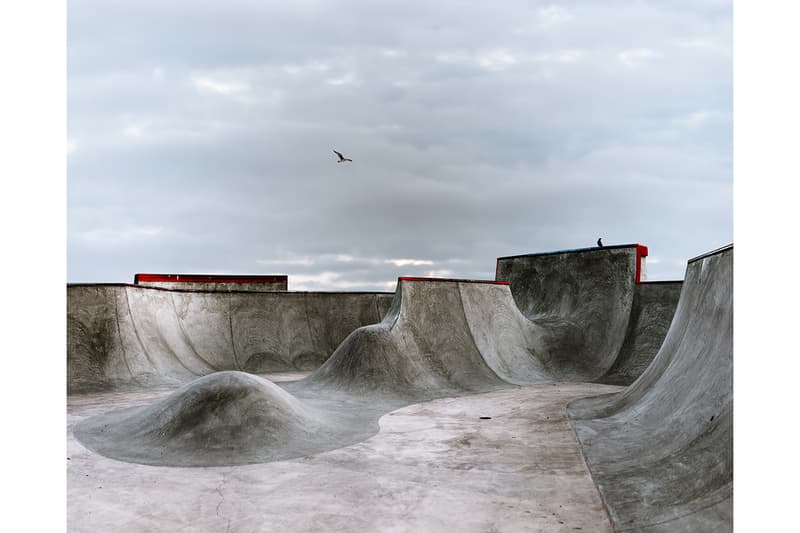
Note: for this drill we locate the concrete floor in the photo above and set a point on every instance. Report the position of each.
(434, 466)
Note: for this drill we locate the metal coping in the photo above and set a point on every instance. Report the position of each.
(712, 252)
(576, 250)
(209, 291)
(641, 251)
(453, 280)
(210, 278)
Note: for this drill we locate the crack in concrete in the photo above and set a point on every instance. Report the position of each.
(219, 490)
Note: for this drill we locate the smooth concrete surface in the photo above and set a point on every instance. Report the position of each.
(581, 300)
(653, 308)
(595, 322)
(661, 451)
(424, 348)
(445, 337)
(120, 335)
(433, 467)
(225, 418)
(265, 453)
(439, 338)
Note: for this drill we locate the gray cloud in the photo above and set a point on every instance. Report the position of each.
(201, 135)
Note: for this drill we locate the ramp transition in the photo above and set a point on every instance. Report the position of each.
(661, 451)
(598, 320)
(120, 335)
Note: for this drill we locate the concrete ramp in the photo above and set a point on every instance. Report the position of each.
(508, 342)
(596, 318)
(120, 335)
(440, 336)
(661, 451)
(570, 316)
(448, 335)
(652, 311)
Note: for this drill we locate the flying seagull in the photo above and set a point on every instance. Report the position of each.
(600, 242)
(342, 158)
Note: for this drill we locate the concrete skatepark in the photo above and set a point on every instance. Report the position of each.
(567, 394)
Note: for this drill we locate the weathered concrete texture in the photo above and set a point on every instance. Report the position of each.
(432, 467)
(439, 338)
(594, 322)
(581, 300)
(661, 451)
(121, 335)
(426, 344)
(509, 343)
(653, 308)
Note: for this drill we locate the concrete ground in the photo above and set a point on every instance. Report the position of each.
(434, 466)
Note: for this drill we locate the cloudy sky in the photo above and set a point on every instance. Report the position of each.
(200, 136)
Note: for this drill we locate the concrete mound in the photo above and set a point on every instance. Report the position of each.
(226, 418)
(596, 321)
(661, 451)
(128, 335)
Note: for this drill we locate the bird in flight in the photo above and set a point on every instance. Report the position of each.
(600, 242)
(342, 158)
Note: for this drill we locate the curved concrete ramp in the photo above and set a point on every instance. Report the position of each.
(465, 335)
(653, 308)
(131, 335)
(596, 321)
(423, 348)
(509, 343)
(661, 451)
(440, 336)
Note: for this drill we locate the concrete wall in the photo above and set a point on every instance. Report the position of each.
(661, 451)
(133, 335)
(596, 322)
(654, 306)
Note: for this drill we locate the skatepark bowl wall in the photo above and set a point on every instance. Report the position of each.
(214, 282)
(122, 335)
(598, 321)
(661, 451)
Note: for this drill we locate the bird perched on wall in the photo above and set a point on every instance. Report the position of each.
(600, 242)
(342, 158)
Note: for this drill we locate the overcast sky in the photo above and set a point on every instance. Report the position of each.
(200, 136)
